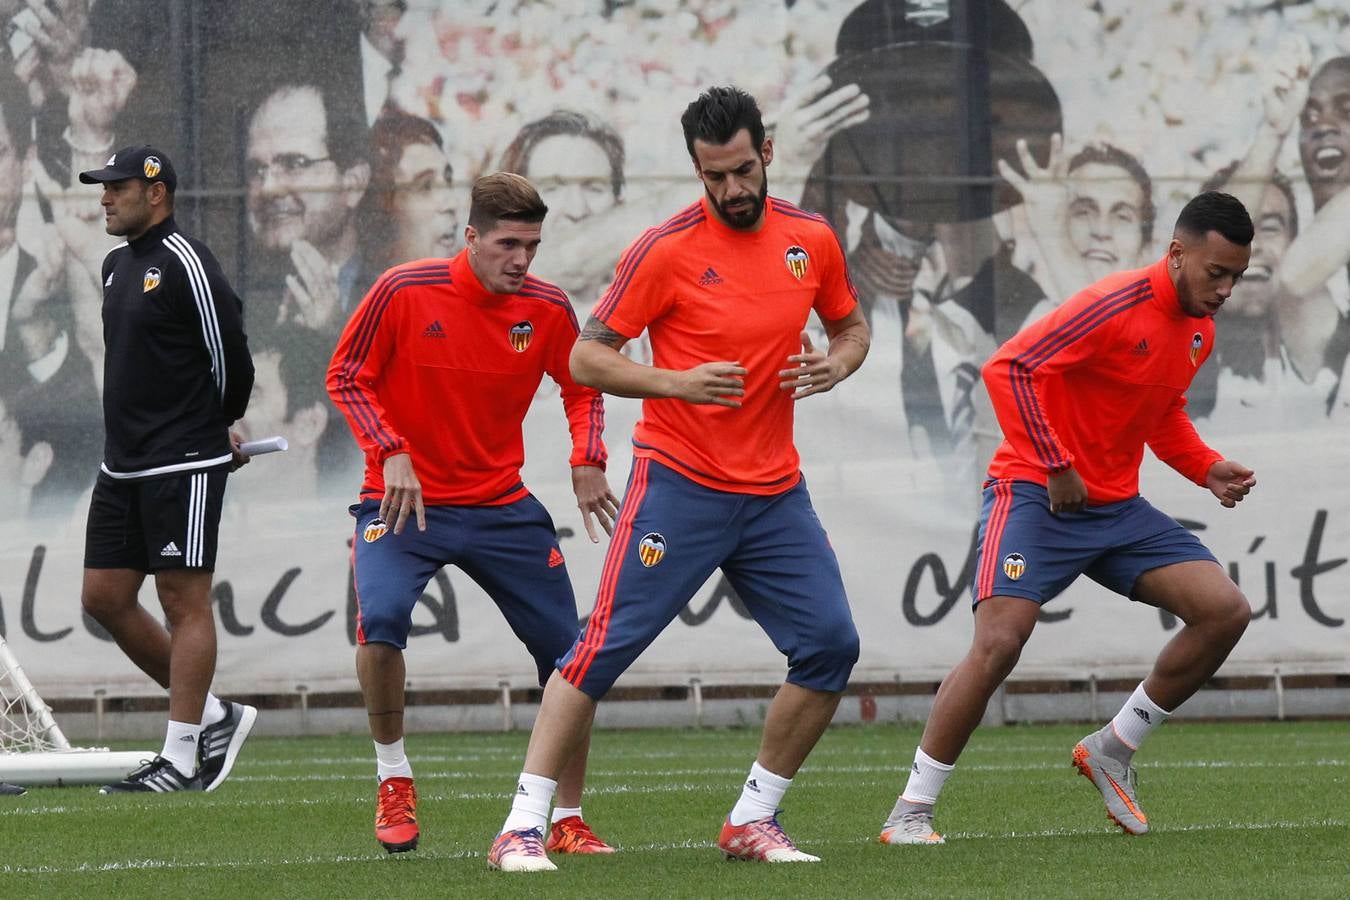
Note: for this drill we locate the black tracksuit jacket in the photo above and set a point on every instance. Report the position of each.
(177, 372)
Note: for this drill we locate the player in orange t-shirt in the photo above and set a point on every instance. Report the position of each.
(1079, 393)
(435, 373)
(724, 290)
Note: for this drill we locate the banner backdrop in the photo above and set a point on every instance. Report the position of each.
(319, 143)
(286, 612)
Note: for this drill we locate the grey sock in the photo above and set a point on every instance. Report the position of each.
(1113, 746)
(905, 807)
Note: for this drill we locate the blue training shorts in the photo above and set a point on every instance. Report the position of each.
(672, 534)
(1024, 550)
(510, 551)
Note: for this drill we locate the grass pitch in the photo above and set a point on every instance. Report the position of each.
(1238, 810)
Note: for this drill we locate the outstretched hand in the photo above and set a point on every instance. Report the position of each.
(815, 371)
(312, 290)
(1230, 482)
(594, 499)
(1284, 85)
(814, 112)
(101, 82)
(1044, 189)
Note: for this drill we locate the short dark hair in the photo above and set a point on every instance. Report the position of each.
(1335, 64)
(516, 157)
(393, 133)
(716, 116)
(1216, 211)
(1110, 155)
(504, 195)
(1219, 179)
(347, 137)
(17, 111)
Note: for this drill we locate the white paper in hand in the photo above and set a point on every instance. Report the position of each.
(263, 445)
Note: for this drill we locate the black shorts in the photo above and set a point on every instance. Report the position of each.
(154, 524)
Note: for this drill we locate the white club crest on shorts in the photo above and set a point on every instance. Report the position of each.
(374, 530)
(150, 281)
(1014, 565)
(651, 549)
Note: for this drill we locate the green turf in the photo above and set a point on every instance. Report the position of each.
(1238, 810)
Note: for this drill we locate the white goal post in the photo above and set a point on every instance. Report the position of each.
(33, 749)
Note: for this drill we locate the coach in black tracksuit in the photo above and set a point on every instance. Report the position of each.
(177, 374)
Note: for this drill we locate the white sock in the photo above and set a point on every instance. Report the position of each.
(180, 746)
(1137, 719)
(529, 809)
(391, 761)
(760, 797)
(926, 778)
(564, 812)
(213, 711)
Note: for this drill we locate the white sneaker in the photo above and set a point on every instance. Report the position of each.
(914, 827)
(520, 851)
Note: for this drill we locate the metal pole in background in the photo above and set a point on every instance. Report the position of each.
(970, 27)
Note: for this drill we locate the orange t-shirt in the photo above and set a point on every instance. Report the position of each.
(708, 292)
(434, 365)
(1092, 382)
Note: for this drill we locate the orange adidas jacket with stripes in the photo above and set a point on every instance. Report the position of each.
(433, 365)
(1092, 382)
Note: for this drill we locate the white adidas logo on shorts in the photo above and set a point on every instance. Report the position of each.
(171, 549)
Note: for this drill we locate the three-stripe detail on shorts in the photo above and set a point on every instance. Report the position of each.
(194, 553)
(993, 538)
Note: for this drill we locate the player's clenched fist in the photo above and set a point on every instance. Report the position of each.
(1230, 482)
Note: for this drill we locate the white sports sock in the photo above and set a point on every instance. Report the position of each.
(1137, 718)
(213, 711)
(180, 746)
(563, 812)
(760, 797)
(391, 761)
(926, 778)
(529, 808)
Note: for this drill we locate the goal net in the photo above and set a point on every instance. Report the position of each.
(33, 750)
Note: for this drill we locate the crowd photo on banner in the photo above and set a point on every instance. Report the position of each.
(318, 143)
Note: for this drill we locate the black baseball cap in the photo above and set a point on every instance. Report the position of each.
(145, 163)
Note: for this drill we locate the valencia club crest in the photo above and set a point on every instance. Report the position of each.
(374, 530)
(521, 332)
(651, 549)
(1014, 565)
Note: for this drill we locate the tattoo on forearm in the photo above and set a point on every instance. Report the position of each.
(865, 343)
(596, 330)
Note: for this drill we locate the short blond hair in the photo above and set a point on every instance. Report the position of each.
(504, 195)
